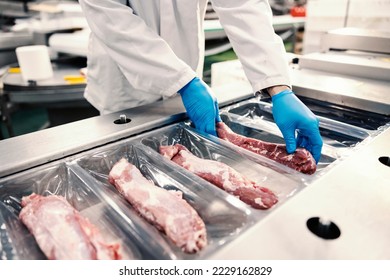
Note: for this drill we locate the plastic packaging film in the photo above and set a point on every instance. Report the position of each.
(280, 180)
(83, 181)
(253, 118)
(56, 179)
(224, 218)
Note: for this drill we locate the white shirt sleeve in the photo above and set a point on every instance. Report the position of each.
(248, 24)
(145, 59)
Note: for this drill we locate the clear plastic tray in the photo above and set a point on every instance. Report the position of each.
(253, 118)
(224, 217)
(83, 180)
(359, 118)
(59, 179)
(335, 133)
(283, 181)
(248, 128)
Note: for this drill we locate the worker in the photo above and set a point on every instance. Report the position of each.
(144, 51)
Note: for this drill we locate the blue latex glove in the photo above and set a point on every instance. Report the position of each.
(291, 115)
(201, 105)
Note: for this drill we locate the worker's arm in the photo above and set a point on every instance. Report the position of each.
(248, 24)
(262, 54)
(145, 59)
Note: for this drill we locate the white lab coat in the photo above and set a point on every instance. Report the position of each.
(143, 51)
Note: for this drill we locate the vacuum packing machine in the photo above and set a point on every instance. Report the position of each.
(339, 212)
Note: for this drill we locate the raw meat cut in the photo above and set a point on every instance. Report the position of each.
(166, 210)
(301, 160)
(221, 175)
(61, 232)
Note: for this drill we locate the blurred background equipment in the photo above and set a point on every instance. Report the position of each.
(324, 15)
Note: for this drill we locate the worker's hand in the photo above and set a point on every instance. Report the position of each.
(291, 115)
(201, 105)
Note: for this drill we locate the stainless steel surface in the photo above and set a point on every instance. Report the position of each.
(356, 64)
(12, 40)
(15, 9)
(349, 38)
(26, 151)
(357, 75)
(355, 195)
(344, 90)
(40, 147)
(366, 94)
(9, 41)
(351, 191)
